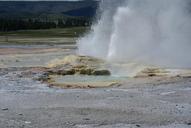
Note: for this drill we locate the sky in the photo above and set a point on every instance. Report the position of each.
(39, 0)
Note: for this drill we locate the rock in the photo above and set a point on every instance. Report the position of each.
(27, 122)
(86, 119)
(80, 66)
(75, 61)
(70, 72)
(17, 60)
(61, 71)
(152, 72)
(44, 77)
(101, 72)
(4, 109)
(51, 72)
(138, 125)
(86, 71)
(81, 71)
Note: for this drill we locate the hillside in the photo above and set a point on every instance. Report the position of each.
(21, 15)
(36, 8)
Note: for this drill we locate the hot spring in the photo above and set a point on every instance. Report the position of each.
(142, 32)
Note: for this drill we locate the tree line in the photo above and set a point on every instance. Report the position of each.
(8, 24)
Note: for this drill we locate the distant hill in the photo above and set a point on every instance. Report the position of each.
(36, 8)
(88, 11)
(16, 15)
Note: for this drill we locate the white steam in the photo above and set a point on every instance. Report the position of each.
(151, 32)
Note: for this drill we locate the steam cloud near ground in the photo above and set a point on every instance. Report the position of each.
(151, 32)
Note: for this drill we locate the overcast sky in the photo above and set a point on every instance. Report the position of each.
(38, 0)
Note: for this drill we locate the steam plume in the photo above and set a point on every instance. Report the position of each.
(151, 32)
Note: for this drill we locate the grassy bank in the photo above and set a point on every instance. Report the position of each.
(46, 36)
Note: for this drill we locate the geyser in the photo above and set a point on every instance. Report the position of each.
(149, 32)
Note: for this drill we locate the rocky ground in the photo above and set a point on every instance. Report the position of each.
(147, 102)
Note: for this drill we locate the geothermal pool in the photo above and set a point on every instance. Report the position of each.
(85, 78)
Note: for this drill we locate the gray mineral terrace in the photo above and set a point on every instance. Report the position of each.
(146, 102)
(136, 103)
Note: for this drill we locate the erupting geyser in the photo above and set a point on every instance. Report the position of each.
(150, 32)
